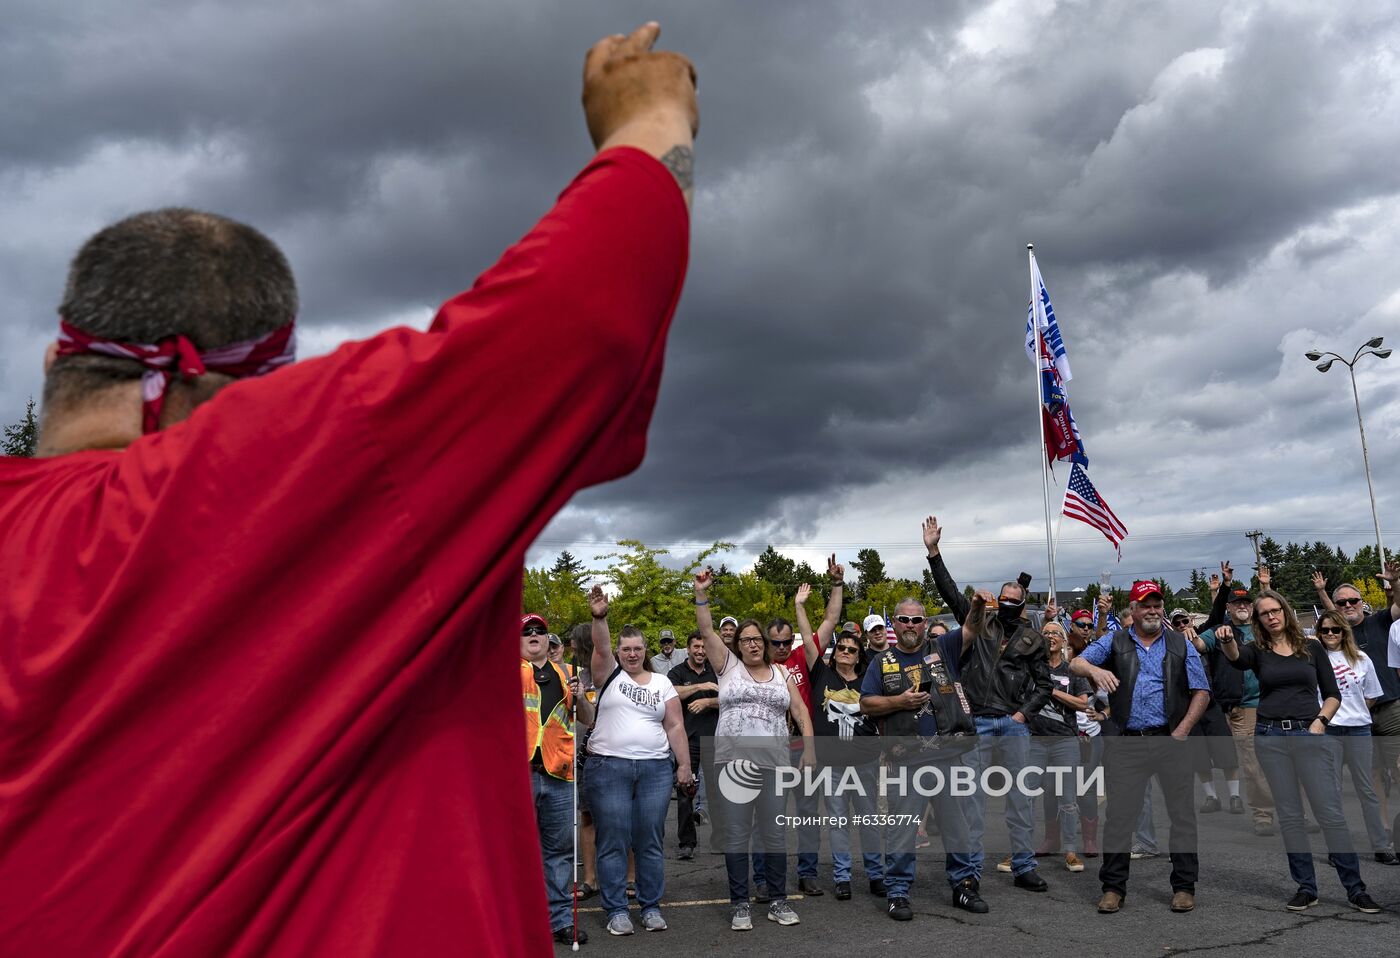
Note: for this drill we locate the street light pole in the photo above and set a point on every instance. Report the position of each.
(1369, 348)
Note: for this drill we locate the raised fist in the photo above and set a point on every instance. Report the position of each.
(625, 82)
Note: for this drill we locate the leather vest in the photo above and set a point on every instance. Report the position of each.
(1123, 662)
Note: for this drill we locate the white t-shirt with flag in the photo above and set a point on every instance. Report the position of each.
(1357, 683)
(630, 715)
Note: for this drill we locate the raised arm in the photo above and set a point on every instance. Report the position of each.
(942, 580)
(1324, 598)
(603, 661)
(972, 628)
(1219, 596)
(715, 650)
(836, 583)
(1388, 579)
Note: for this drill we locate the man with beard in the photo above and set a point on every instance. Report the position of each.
(1157, 692)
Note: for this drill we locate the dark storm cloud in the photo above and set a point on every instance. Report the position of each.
(868, 178)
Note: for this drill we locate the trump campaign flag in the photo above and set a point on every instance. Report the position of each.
(1047, 351)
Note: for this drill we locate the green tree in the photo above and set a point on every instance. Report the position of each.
(746, 595)
(776, 569)
(650, 594)
(870, 570)
(569, 569)
(22, 438)
(559, 598)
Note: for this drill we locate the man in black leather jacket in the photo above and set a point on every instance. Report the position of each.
(1006, 676)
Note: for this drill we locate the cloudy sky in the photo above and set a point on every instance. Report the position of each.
(1212, 189)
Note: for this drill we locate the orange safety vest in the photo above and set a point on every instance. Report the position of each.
(554, 737)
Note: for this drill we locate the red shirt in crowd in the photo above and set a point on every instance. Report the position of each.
(258, 671)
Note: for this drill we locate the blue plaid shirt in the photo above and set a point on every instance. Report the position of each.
(1149, 694)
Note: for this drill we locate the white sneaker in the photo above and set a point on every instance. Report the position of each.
(740, 920)
(781, 912)
(619, 925)
(652, 921)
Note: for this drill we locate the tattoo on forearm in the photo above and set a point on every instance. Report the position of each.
(680, 160)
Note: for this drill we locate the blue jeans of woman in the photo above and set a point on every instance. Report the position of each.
(1353, 749)
(629, 798)
(1295, 761)
(850, 805)
(1058, 752)
(754, 820)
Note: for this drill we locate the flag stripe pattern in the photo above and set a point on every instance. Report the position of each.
(1083, 502)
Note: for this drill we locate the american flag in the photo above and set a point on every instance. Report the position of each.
(1082, 502)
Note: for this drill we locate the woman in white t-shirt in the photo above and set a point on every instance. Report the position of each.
(756, 698)
(638, 730)
(1351, 726)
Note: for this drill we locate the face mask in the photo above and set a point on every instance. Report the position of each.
(1009, 612)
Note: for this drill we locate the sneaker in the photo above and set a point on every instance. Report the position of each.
(1031, 881)
(687, 853)
(877, 887)
(781, 912)
(900, 910)
(965, 897)
(760, 893)
(1301, 901)
(1236, 805)
(1364, 904)
(1137, 854)
(699, 817)
(921, 841)
(1264, 829)
(843, 891)
(565, 935)
(619, 925)
(1072, 863)
(1005, 865)
(1211, 804)
(739, 919)
(652, 921)
(1387, 858)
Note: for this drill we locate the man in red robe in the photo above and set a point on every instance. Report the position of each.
(257, 653)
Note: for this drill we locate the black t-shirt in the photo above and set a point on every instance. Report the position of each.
(836, 704)
(551, 694)
(1288, 685)
(1373, 637)
(1057, 718)
(702, 725)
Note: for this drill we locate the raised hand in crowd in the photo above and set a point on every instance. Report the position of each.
(603, 661)
(1227, 573)
(598, 602)
(933, 532)
(1266, 578)
(804, 592)
(1214, 584)
(1052, 610)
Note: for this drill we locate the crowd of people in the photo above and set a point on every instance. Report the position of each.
(1145, 696)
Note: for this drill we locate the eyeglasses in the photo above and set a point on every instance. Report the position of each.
(1276, 610)
(1329, 630)
(909, 619)
(751, 638)
(779, 643)
(534, 630)
(853, 649)
(1355, 601)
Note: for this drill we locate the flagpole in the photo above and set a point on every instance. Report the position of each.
(1040, 417)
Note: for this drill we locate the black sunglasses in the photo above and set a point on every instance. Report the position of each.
(853, 649)
(533, 630)
(909, 619)
(1329, 630)
(1356, 601)
(779, 643)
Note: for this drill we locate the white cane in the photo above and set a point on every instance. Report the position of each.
(573, 723)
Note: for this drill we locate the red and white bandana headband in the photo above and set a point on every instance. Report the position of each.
(177, 355)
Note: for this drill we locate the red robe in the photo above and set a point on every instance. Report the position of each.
(258, 672)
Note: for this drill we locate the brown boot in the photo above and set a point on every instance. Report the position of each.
(1091, 838)
(1183, 901)
(1051, 845)
(1110, 902)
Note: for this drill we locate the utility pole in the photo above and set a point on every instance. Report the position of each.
(1254, 537)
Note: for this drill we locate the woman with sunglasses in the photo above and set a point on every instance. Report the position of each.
(756, 696)
(1294, 673)
(845, 738)
(638, 732)
(1351, 726)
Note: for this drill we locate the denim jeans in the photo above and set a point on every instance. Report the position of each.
(753, 823)
(1353, 748)
(554, 814)
(848, 805)
(900, 837)
(1296, 761)
(1058, 751)
(1001, 740)
(629, 798)
(809, 832)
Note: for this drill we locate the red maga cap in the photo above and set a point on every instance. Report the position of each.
(1143, 588)
(529, 617)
